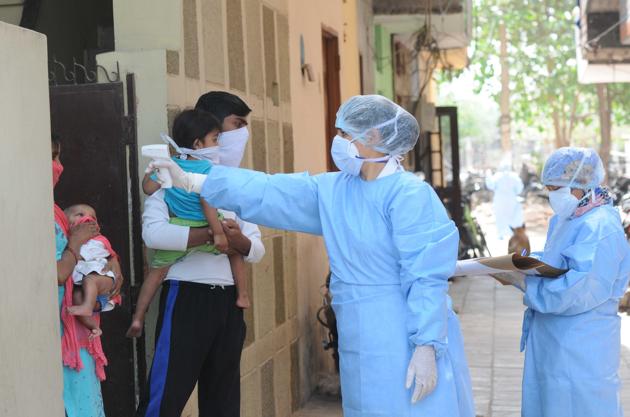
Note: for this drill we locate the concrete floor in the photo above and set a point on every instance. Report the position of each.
(320, 407)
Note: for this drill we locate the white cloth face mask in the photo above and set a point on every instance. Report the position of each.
(211, 153)
(563, 202)
(232, 146)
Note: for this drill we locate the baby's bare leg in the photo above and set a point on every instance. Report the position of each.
(240, 280)
(149, 287)
(77, 299)
(90, 323)
(92, 285)
(218, 234)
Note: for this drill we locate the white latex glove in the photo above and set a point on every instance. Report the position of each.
(423, 370)
(185, 180)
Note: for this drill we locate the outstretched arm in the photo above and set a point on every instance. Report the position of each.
(280, 201)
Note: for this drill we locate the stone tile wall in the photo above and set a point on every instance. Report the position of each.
(242, 46)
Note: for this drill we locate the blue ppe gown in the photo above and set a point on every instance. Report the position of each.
(391, 248)
(571, 330)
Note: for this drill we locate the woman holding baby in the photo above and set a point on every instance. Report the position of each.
(83, 358)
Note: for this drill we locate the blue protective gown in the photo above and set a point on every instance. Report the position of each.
(391, 248)
(571, 327)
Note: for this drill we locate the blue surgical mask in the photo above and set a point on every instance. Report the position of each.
(563, 202)
(346, 156)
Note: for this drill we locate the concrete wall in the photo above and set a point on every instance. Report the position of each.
(365, 36)
(383, 81)
(146, 24)
(149, 68)
(307, 18)
(351, 73)
(30, 347)
(242, 46)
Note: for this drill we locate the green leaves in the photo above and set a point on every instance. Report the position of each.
(543, 69)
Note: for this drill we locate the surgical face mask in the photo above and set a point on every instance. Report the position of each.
(232, 146)
(207, 154)
(346, 156)
(563, 202)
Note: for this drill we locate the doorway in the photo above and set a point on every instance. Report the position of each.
(440, 160)
(332, 89)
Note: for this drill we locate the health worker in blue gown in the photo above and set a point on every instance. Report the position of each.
(571, 327)
(392, 248)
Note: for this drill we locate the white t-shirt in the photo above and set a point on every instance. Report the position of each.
(201, 267)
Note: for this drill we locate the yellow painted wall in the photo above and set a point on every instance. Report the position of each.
(306, 20)
(351, 77)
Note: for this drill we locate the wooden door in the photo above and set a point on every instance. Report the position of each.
(332, 91)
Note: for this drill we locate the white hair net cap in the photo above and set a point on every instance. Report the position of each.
(574, 167)
(379, 123)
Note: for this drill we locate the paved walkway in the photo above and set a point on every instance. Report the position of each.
(490, 316)
(320, 407)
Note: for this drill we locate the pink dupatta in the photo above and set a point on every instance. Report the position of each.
(75, 336)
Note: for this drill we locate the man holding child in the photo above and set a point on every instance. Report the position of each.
(200, 329)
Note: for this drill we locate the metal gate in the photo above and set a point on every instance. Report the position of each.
(99, 153)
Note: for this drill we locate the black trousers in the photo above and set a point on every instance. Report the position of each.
(199, 338)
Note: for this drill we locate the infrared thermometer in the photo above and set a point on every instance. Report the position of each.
(159, 152)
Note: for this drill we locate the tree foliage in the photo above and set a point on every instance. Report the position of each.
(544, 91)
(477, 118)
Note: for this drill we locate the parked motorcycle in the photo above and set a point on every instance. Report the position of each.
(619, 186)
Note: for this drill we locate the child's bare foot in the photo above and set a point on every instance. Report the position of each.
(94, 333)
(221, 242)
(135, 330)
(243, 301)
(81, 310)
